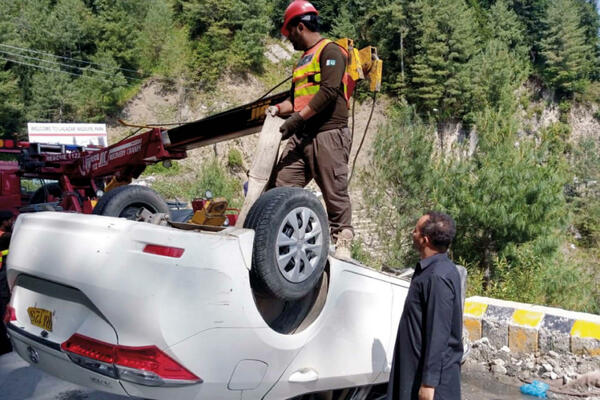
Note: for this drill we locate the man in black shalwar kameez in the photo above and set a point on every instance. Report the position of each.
(428, 350)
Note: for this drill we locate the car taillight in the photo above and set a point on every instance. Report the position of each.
(166, 251)
(151, 361)
(146, 365)
(90, 348)
(10, 314)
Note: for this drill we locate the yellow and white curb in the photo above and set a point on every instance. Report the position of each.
(527, 328)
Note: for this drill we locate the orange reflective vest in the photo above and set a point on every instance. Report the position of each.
(307, 76)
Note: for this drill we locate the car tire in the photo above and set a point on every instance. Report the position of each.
(291, 242)
(41, 194)
(126, 201)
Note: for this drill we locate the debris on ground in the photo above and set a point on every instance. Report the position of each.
(569, 375)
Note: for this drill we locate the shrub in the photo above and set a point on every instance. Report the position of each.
(160, 169)
(212, 176)
(359, 253)
(234, 158)
(557, 282)
(507, 195)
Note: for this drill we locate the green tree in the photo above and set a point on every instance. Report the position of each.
(396, 183)
(507, 194)
(585, 190)
(70, 29)
(565, 51)
(445, 39)
(496, 73)
(52, 98)
(386, 27)
(229, 33)
(344, 26)
(590, 22)
(531, 13)
(11, 105)
(505, 26)
(98, 95)
(117, 23)
(156, 33)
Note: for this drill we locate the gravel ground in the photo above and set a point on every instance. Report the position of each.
(569, 376)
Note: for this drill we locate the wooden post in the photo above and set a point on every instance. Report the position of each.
(265, 157)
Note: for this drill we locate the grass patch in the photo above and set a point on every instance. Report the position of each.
(591, 95)
(235, 159)
(358, 252)
(128, 93)
(160, 169)
(212, 176)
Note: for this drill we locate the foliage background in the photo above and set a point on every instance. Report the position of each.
(522, 197)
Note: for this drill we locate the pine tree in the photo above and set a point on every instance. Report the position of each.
(444, 37)
(117, 25)
(507, 198)
(343, 27)
(504, 25)
(496, 73)
(55, 98)
(11, 105)
(386, 27)
(531, 13)
(157, 31)
(565, 52)
(590, 22)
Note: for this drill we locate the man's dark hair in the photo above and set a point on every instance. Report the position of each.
(440, 229)
(310, 21)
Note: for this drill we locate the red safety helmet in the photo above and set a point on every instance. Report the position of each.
(295, 9)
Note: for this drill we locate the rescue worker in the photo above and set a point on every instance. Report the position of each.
(6, 223)
(319, 139)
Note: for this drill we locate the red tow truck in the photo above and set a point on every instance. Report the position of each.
(72, 178)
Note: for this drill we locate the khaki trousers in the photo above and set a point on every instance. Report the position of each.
(323, 157)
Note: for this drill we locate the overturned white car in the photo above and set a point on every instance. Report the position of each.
(162, 313)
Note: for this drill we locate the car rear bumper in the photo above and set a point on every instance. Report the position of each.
(47, 356)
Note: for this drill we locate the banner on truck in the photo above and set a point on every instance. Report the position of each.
(78, 134)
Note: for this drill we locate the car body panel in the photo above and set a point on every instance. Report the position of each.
(200, 309)
(70, 312)
(358, 311)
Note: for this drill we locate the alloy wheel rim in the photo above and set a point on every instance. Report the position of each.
(299, 244)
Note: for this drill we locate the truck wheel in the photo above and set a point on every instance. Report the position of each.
(42, 193)
(291, 242)
(126, 201)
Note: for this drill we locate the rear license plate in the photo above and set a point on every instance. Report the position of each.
(40, 317)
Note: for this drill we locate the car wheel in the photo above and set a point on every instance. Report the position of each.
(126, 201)
(291, 242)
(42, 193)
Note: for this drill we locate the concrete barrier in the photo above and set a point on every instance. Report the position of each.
(527, 328)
